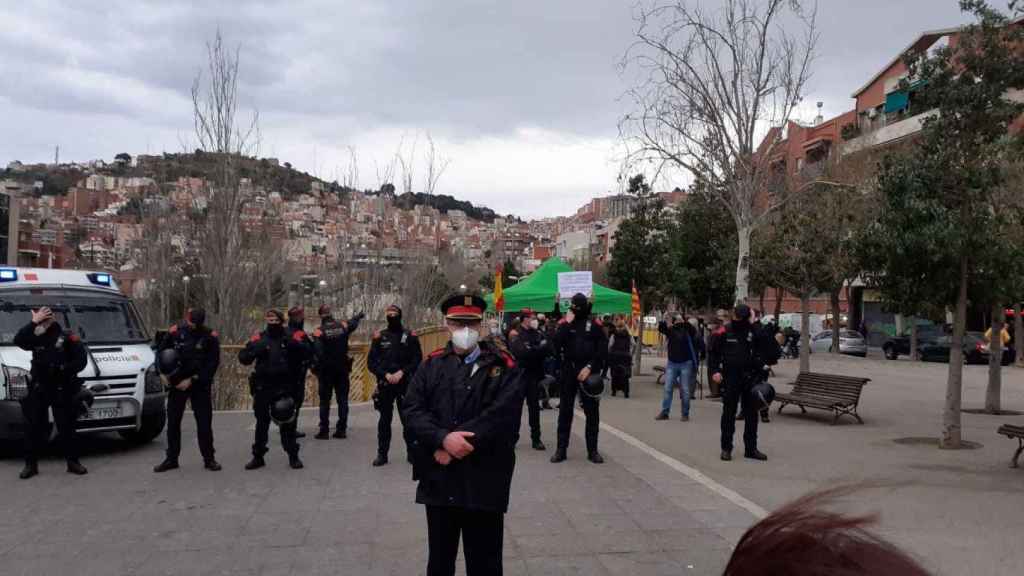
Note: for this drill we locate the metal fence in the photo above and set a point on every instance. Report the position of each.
(231, 386)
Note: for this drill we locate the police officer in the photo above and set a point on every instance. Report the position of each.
(584, 349)
(57, 358)
(462, 409)
(736, 359)
(274, 354)
(197, 348)
(301, 360)
(395, 355)
(330, 345)
(530, 347)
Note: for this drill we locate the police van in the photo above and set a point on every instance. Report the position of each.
(129, 397)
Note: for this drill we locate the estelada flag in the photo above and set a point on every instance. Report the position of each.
(636, 306)
(499, 296)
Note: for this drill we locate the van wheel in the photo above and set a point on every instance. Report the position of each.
(890, 353)
(152, 426)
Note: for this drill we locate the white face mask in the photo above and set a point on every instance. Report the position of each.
(465, 338)
(533, 323)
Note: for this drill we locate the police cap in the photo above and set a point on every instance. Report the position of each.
(464, 307)
(742, 311)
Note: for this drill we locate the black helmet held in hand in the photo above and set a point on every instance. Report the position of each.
(282, 410)
(168, 361)
(764, 393)
(83, 401)
(593, 386)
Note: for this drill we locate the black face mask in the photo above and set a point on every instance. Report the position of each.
(581, 312)
(394, 323)
(296, 324)
(275, 329)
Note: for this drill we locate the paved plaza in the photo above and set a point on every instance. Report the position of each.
(662, 504)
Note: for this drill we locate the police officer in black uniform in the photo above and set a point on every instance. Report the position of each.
(584, 350)
(330, 345)
(395, 355)
(737, 358)
(57, 358)
(463, 408)
(302, 359)
(274, 354)
(197, 348)
(531, 347)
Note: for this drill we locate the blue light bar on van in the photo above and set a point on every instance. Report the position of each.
(8, 275)
(101, 279)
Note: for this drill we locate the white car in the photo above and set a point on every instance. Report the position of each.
(850, 342)
(120, 360)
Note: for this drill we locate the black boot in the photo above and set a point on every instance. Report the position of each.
(211, 465)
(726, 455)
(538, 445)
(256, 462)
(294, 462)
(75, 467)
(381, 460)
(340, 433)
(595, 457)
(755, 454)
(167, 464)
(559, 456)
(30, 470)
(323, 434)
(300, 434)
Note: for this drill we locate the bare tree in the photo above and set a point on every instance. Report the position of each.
(407, 161)
(350, 178)
(436, 164)
(715, 89)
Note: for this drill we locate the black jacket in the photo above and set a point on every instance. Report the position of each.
(531, 348)
(330, 344)
(740, 352)
(485, 398)
(620, 347)
(275, 357)
(680, 339)
(199, 352)
(393, 351)
(57, 358)
(580, 344)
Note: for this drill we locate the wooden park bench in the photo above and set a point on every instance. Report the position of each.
(1014, 432)
(829, 392)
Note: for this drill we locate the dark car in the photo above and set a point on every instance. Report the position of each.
(900, 345)
(975, 350)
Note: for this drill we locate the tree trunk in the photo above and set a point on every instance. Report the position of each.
(1018, 333)
(995, 362)
(951, 429)
(805, 333)
(778, 303)
(743, 263)
(836, 328)
(638, 352)
(760, 303)
(913, 337)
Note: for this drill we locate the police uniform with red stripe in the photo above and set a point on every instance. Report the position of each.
(480, 392)
(393, 350)
(330, 346)
(198, 349)
(57, 358)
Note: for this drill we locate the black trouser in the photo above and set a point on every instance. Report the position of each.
(202, 409)
(388, 397)
(533, 394)
(732, 391)
(620, 377)
(566, 404)
(261, 402)
(334, 382)
(299, 393)
(34, 409)
(482, 534)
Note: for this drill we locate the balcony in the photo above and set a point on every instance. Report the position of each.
(886, 134)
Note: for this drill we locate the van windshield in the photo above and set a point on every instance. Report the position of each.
(98, 319)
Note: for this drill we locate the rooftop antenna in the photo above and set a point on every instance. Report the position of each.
(56, 155)
(819, 118)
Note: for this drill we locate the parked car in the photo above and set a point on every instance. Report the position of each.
(900, 345)
(850, 342)
(976, 351)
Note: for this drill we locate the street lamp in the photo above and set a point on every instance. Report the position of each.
(186, 280)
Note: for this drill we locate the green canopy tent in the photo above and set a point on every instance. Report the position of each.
(538, 290)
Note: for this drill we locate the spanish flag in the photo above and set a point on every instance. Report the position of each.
(499, 296)
(636, 304)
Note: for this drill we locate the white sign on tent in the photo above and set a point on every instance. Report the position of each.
(572, 283)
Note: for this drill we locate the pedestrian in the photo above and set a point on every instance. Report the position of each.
(395, 355)
(302, 361)
(530, 347)
(583, 348)
(58, 356)
(682, 344)
(620, 356)
(333, 367)
(462, 409)
(194, 352)
(736, 361)
(274, 354)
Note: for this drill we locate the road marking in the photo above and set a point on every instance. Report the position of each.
(688, 471)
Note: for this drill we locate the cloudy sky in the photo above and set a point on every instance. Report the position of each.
(523, 97)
